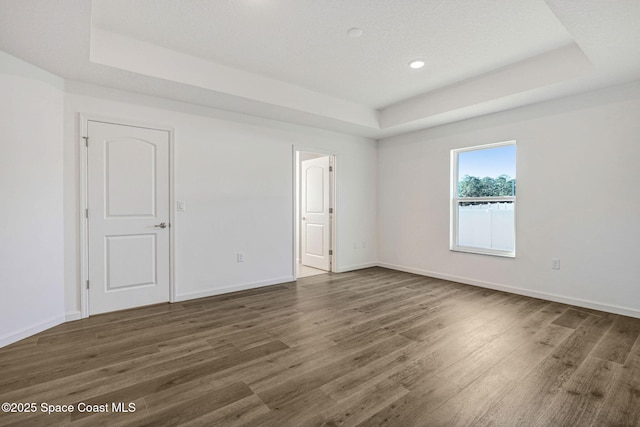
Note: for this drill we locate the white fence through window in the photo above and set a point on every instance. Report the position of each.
(486, 225)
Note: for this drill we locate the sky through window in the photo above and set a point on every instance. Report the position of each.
(491, 162)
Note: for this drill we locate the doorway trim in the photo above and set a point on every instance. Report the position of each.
(333, 201)
(83, 159)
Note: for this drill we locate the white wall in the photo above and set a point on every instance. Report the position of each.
(581, 153)
(236, 175)
(31, 223)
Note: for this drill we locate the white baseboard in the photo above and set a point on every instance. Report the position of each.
(353, 267)
(236, 288)
(72, 315)
(32, 330)
(625, 311)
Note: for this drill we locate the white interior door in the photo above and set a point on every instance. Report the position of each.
(128, 222)
(314, 212)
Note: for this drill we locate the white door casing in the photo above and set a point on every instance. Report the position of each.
(128, 216)
(314, 212)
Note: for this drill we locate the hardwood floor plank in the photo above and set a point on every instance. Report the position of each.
(184, 375)
(356, 380)
(195, 407)
(361, 405)
(462, 311)
(464, 408)
(114, 418)
(369, 347)
(445, 347)
(580, 399)
(621, 405)
(414, 408)
(402, 320)
(571, 318)
(617, 343)
(35, 420)
(525, 403)
(71, 365)
(493, 344)
(66, 390)
(476, 395)
(301, 409)
(249, 410)
(282, 366)
(458, 391)
(279, 394)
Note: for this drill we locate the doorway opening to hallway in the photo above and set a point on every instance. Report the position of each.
(315, 213)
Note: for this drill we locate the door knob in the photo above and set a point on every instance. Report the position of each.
(161, 225)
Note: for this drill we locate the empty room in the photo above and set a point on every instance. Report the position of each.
(307, 213)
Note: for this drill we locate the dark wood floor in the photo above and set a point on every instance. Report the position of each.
(373, 347)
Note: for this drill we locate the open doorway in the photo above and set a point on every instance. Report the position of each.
(315, 213)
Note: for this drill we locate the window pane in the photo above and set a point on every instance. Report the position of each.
(486, 225)
(488, 172)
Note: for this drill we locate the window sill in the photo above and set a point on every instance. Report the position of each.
(480, 251)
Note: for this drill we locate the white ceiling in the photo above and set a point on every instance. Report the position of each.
(292, 60)
(306, 42)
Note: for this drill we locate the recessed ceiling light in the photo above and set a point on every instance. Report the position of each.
(355, 32)
(416, 63)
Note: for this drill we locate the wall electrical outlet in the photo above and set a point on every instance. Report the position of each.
(240, 256)
(555, 263)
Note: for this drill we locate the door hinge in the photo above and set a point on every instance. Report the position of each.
(330, 210)
(87, 284)
(86, 213)
(330, 251)
(86, 141)
(330, 168)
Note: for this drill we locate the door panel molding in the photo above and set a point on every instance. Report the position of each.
(83, 187)
(119, 188)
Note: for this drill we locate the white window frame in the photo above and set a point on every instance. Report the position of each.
(455, 201)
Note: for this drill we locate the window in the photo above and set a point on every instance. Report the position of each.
(483, 199)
